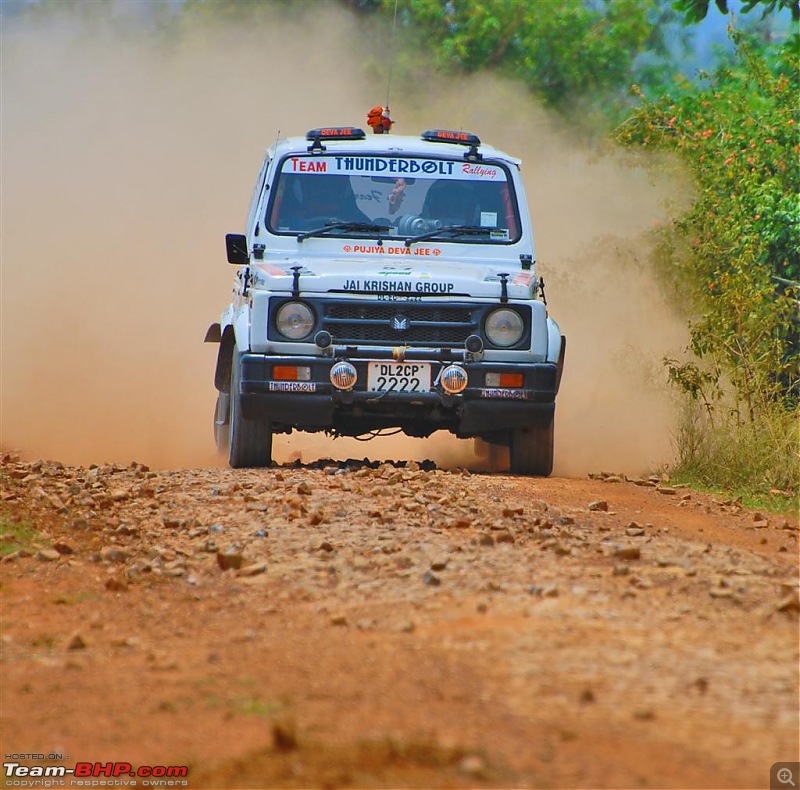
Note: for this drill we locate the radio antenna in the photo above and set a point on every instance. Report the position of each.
(391, 55)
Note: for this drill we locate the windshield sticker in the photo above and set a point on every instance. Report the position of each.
(412, 167)
(482, 172)
(308, 165)
(398, 286)
(488, 219)
(393, 165)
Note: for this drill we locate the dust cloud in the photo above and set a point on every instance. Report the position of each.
(129, 151)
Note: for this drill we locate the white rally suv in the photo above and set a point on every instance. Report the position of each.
(387, 282)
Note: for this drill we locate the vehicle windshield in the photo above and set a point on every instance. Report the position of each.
(388, 196)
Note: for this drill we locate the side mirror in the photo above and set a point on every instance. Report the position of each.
(236, 246)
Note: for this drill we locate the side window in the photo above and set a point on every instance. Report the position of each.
(252, 216)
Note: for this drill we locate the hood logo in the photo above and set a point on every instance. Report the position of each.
(400, 323)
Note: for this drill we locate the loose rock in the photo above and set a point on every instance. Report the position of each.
(628, 552)
(255, 569)
(229, 560)
(76, 642)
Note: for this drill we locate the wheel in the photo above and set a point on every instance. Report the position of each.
(532, 450)
(250, 440)
(222, 426)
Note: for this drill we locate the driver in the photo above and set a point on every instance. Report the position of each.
(328, 197)
(452, 202)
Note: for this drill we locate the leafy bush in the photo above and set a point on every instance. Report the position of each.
(736, 252)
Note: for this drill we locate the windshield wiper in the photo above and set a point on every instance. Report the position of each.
(456, 230)
(360, 227)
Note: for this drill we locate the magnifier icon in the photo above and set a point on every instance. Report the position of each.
(785, 777)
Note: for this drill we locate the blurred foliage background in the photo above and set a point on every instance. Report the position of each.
(631, 72)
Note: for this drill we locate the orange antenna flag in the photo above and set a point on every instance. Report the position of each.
(378, 118)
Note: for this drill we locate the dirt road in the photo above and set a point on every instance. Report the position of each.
(343, 625)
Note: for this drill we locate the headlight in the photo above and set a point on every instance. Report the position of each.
(294, 320)
(504, 327)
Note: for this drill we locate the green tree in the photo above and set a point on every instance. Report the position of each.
(697, 10)
(562, 50)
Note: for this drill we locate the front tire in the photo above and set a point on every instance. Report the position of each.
(532, 450)
(250, 441)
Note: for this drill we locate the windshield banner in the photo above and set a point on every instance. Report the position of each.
(392, 166)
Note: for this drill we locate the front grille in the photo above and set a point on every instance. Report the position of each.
(393, 324)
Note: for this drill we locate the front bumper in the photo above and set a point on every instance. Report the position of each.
(317, 405)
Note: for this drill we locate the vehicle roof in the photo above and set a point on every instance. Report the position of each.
(390, 144)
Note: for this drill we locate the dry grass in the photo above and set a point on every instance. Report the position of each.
(722, 450)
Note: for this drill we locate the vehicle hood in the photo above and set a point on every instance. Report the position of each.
(420, 274)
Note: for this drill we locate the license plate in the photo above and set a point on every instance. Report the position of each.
(399, 377)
